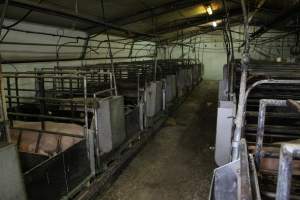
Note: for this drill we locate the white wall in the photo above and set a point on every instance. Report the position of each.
(35, 52)
(210, 50)
(207, 48)
(95, 49)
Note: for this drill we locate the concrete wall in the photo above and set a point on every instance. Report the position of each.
(207, 48)
(210, 50)
(56, 48)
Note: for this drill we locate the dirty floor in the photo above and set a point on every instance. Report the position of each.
(177, 163)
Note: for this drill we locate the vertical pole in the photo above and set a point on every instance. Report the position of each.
(285, 171)
(112, 65)
(41, 93)
(17, 90)
(72, 102)
(8, 92)
(111, 83)
(4, 131)
(155, 63)
(182, 51)
(85, 103)
(239, 122)
(88, 134)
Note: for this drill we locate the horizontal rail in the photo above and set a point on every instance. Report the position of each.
(58, 72)
(42, 76)
(47, 98)
(48, 132)
(45, 116)
(104, 91)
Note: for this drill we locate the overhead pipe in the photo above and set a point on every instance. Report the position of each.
(67, 59)
(260, 4)
(72, 37)
(274, 23)
(65, 45)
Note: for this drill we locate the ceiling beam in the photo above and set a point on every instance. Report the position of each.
(204, 30)
(189, 34)
(277, 21)
(152, 12)
(55, 11)
(159, 10)
(195, 21)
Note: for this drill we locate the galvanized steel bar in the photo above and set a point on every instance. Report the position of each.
(241, 111)
(263, 103)
(284, 180)
(47, 132)
(243, 84)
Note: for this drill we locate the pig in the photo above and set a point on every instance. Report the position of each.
(271, 164)
(50, 144)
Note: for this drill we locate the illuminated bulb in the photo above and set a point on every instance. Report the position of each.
(209, 10)
(214, 24)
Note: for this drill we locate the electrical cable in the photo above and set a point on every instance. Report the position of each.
(3, 13)
(110, 52)
(17, 22)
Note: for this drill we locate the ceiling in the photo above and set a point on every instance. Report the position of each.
(163, 19)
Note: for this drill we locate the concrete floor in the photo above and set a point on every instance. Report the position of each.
(177, 163)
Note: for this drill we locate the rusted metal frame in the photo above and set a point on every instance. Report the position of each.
(254, 179)
(239, 122)
(261, 122)
(263, 104)
(284, 180)
(295, 105)
(246, 191)
(241, 113)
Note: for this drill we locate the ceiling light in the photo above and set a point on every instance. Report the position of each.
(214, 24)
(209, 10)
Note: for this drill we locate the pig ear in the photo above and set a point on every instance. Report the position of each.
(29, 148)
(45, 152)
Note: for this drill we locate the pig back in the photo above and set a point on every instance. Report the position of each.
(50, 144)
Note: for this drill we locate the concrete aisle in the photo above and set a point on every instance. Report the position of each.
(177, 163)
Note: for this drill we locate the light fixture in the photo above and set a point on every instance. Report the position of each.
(209, 10)
(214, 24)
